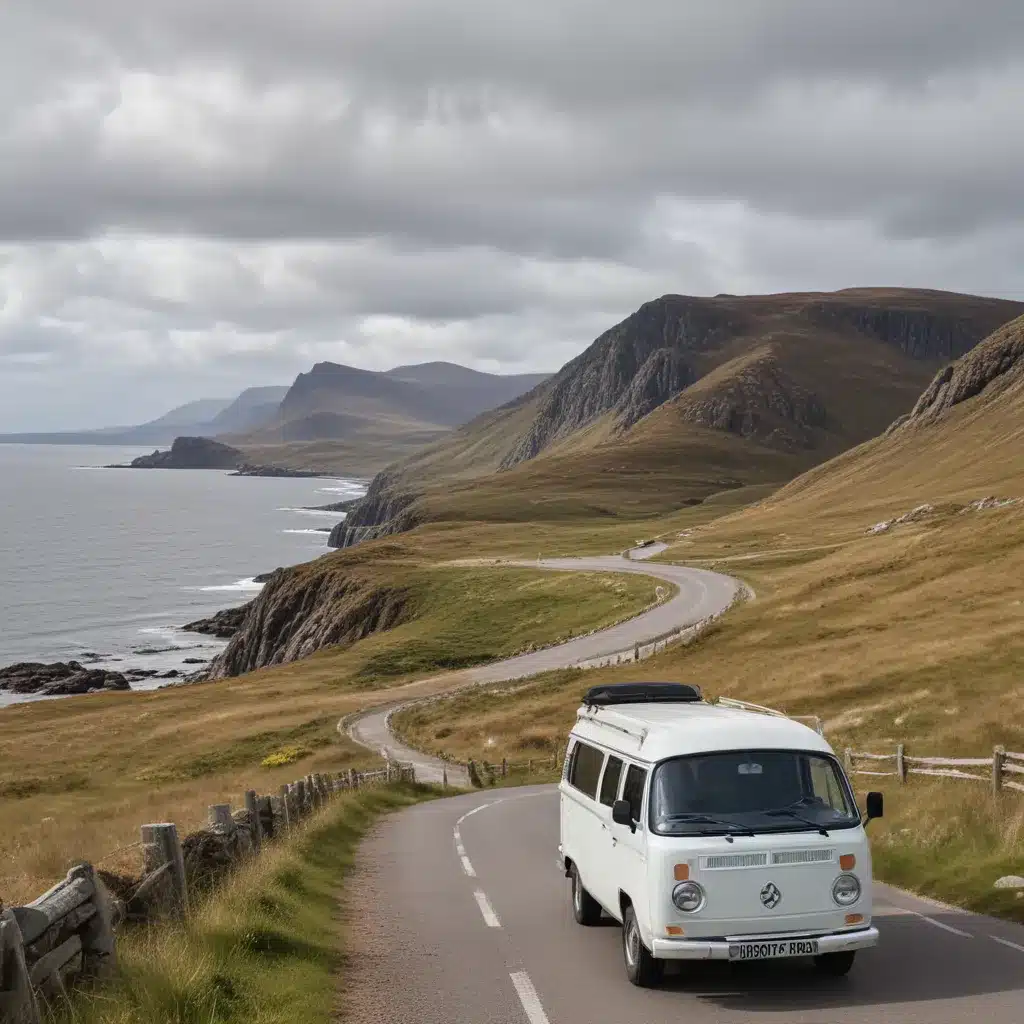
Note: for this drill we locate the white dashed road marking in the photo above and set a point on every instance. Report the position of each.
(467, 866)
(490, 917)
(528, 997)
(941, 924)
(1007, 942)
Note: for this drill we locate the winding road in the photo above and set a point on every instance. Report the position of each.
(461, 915)
(700, 595)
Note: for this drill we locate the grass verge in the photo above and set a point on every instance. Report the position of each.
(263, 949)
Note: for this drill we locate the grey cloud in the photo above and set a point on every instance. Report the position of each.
(219, 194)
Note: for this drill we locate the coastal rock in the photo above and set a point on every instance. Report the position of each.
(249, 470)
(59, 679)
(305, 609)
(266, 577)
(192, 453)
(225, 624)
(382, 513)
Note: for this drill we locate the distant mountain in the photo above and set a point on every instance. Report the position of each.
(182, 419)
(251, 409)
(333, 418)
(337, 402)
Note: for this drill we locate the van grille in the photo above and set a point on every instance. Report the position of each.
(734, 860)
(803, 856)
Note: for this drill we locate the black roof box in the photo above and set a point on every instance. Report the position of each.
(642, 693)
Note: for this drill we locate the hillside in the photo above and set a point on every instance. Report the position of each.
(251, 409)
(684, 398)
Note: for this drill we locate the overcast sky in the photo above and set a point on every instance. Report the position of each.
(197, 196)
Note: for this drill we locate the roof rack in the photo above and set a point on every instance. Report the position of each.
(642, 693)
(814, 721)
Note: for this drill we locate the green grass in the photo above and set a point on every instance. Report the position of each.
(264, 949)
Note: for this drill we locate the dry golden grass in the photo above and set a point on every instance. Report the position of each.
(79, 776)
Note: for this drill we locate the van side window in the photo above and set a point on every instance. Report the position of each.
(633, 791)
(610, 781)
(586, 769)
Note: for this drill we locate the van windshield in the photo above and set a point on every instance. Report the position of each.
(743, 791)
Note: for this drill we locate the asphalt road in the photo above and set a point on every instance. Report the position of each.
(701, 594)
(486, 935)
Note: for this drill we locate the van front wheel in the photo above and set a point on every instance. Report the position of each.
(642, 969)
(835, 964)
(585, 909)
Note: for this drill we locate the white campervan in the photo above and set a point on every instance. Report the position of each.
(712, 833)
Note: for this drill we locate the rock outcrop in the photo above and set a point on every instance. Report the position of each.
(313, 606)
(59, 679)
(989, 370)
(381, 513)
(192, 453)
(761, 402)
(224, 624)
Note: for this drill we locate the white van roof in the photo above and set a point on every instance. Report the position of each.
(655, 731)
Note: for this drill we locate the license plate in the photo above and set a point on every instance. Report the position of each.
(772, 950)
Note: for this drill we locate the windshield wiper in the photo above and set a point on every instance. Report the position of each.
(785, 812)
(742, 829)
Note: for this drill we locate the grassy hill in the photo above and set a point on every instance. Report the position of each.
(687, 397)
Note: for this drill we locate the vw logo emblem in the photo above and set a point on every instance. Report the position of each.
(771, 897)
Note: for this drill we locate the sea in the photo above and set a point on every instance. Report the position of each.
(104, 566)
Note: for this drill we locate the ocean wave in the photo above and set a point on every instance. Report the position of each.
(227, 588)
(343, 492)
(311, 512)
(311, 531)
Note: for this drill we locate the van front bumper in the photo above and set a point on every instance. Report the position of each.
(718, 949)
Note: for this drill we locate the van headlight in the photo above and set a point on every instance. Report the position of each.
(689, 897)
(846, 890)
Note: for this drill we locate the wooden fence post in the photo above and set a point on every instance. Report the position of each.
(220, 814)
(300, 798)
(17, 1000)
(253, 810)
(504, 767)
(848, 760)
(636, 652)
(266, 815)
(529, 767)
(901, 764)
(998, 757)
(160, 846)
(99, 951)
(444, 778)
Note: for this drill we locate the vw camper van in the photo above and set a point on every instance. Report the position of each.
(712, 833)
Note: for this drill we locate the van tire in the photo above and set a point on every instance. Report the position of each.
(642, 968)
(585, 909)
(835, 965)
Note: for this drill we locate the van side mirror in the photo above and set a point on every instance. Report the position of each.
(875, 806)
(622, 814)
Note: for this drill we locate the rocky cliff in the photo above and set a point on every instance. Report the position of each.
(989, 370)
(305, 609)
(59, 679)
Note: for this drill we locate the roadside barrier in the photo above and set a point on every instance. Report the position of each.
(68, 935)
(1000, 767)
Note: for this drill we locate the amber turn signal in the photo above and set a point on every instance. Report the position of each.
(682, 872)
(854, 918)
(673, 929)
(847, 862)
